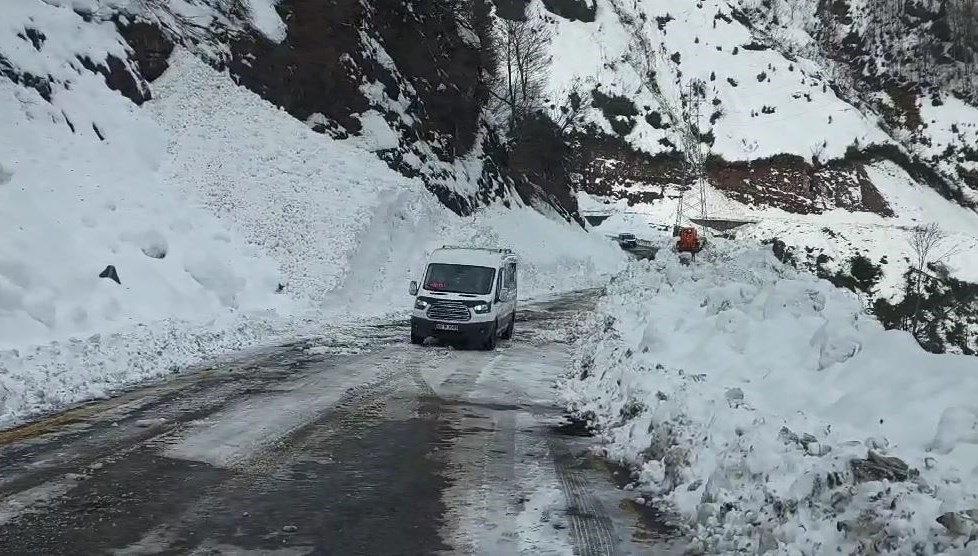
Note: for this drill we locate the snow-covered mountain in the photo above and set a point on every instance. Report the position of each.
(835, 137)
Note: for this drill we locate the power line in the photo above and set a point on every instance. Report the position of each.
(692, 194)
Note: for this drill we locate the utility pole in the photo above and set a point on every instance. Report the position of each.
(692, 193)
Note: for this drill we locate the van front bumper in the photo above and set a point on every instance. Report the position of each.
(469, 331)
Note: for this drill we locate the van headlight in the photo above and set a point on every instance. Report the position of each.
(482, 308)
(421, 304)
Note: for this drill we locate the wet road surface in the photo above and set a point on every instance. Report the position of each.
(308, 449)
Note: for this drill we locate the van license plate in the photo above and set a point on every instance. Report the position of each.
(448, 327)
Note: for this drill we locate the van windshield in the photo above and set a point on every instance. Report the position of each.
(459, 278)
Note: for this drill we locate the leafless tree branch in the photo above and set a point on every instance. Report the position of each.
(930, 245)
(524, 62)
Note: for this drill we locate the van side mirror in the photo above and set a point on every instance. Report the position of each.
(413, 288)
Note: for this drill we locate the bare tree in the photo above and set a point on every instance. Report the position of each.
(963, 17)
(524, 58)
(930, 245)
(818, 154)
(569, 112)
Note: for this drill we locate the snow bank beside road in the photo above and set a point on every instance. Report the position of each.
(744, 392)
(79, 191)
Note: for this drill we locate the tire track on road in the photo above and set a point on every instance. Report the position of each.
(591, 525)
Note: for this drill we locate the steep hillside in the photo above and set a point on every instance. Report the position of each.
(154, 213)
(807, 125)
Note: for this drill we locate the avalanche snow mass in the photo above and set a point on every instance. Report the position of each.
(760, 404)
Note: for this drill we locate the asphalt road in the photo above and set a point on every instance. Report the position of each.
(398, 449)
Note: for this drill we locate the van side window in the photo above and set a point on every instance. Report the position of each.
(500, 287)
(511, 279)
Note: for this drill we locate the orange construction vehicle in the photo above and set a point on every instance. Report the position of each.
(689, 241)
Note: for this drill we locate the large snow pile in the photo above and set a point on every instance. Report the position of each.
(762, 404)
(348, 232)
(79, 192)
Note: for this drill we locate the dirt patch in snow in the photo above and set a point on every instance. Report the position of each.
(792, 184)
(607, 166)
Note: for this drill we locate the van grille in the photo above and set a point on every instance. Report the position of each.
(449, 310)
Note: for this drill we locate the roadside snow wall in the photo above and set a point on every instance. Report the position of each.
(758, 403)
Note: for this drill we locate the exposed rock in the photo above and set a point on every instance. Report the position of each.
(41, 84)
(537, 163)
(110, 273)
(876, 467)
(119, 78)
(513, 10)
(574, 10)
(316, 70)
(960, 523)
(151, 47)
(790, 183)
(610, 167)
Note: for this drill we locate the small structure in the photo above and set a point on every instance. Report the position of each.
(721, 224)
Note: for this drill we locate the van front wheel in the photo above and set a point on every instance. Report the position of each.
(508, 333)
(490, 343)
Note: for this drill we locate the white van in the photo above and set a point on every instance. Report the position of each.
(467, 294)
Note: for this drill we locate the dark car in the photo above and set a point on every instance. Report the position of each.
(627, 241)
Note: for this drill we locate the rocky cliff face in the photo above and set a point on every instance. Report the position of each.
(407, 79)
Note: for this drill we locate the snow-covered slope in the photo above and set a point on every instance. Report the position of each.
(765, 93)
(703, 41)
(748, 397)
(347, 231)
(228, 222)
(81, 191)
(831, 163)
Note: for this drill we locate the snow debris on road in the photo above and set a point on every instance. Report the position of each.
(767, 408)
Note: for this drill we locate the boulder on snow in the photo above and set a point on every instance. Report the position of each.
(877, 467)
(960, 523)
(110, 273)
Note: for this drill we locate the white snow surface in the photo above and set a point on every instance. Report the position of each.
(348, 232)
(696, 374)
(708, 44)
(205, 200)
(266, 19)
